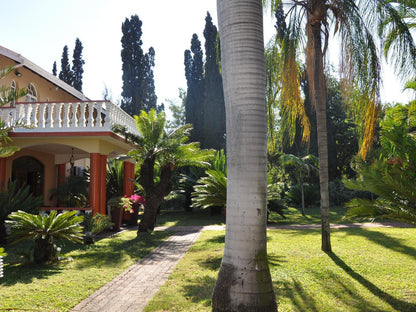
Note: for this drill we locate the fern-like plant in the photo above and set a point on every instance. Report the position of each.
(45, 230)
(392, 177)
(211, 190)
(16, 198)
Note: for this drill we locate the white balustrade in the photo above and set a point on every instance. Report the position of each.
(67, 117)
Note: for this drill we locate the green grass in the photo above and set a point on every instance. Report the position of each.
(86, 268)
(312, 216)
(199, 217)
(202, 217)
(369, 270)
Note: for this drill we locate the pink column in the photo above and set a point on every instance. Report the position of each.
(103, 183)
(95, 162)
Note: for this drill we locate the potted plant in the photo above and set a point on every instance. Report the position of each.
(115, 208)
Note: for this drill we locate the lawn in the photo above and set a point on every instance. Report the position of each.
(292, 216)
(84, 269)
(370, 269)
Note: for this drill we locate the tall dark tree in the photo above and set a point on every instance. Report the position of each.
(54, 70)
(138, 86)
(214, 107)
(194, 73)
(150, 98)
(65, 74)
(77, 65)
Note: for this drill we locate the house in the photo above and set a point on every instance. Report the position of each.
(65, 128)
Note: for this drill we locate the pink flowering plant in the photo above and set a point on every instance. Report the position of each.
(127, 202)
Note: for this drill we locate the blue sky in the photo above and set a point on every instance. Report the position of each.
(39, 30)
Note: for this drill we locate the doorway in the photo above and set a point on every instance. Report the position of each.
(27, 170)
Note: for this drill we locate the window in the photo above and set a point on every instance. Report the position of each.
(31, 95)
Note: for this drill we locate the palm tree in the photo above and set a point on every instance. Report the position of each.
(308, 29)
(244, 281)
(303, 167)
(397, 21)
(158, 151)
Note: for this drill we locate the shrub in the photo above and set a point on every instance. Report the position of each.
(94, 225)
(45, 230)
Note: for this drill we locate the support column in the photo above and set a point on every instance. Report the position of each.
(3, 162)
(128, 185)
(103, 184)
(95, 164)
(61, 173)
(128, 176)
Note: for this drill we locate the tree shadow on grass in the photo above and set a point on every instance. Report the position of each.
(112, 252)
(395, 244)
(300, 298)
(397, 304)
(344, 291)
(26, 273)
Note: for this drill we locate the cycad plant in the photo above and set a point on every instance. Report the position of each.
(211, 189)
(45, 230)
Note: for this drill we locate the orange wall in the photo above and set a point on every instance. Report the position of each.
(46, 91)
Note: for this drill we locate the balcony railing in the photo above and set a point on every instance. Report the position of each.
(67, 117)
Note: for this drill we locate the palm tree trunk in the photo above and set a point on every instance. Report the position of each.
(244, 281)
(155, 194)
(314, 63)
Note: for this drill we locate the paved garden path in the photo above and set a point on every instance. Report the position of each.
(132, 289)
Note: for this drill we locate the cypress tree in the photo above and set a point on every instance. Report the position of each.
(214, 106)
(138, 86)
(54, 72)
(65, 74)
(150, 98)
(194, 73)
(77, 64)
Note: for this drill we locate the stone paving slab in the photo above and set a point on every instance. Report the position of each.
(132, 289)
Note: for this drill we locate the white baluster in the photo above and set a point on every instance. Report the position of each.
(109, 112)
(49, 119)
(34, 115)
(27, 114)
(90, 115)
(83, 112)
(59, 117)
(42, 109)
(99, 122)
(73, 107)
(66, 119)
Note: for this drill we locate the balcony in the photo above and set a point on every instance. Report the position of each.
(91, 116)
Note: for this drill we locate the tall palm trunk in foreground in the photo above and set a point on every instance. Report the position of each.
(315, 71)
(244, 281)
